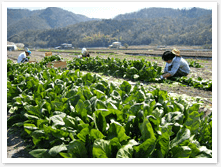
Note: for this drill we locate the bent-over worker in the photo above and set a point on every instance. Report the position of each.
(85, 53)
(176, 66)
(23, 56)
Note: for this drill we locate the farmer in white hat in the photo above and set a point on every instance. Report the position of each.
(176, 66)
(23, 56)
(85, 53)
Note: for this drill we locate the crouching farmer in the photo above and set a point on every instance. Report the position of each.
(23, 56)
(176, 66)
(85, 53)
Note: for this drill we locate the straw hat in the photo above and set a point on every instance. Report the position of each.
(176, 52)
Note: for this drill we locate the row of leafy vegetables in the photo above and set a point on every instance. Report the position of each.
(138, 70)
(67, 114)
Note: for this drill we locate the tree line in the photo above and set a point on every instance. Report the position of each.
(166, 30)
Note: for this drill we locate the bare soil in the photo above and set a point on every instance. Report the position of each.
(17, 148)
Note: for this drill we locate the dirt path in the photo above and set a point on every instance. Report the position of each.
(16, 146)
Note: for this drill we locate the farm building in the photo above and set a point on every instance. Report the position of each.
(66, 46)
(115, 45)
(12, 47)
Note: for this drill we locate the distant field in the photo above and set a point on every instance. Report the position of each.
(187, 51)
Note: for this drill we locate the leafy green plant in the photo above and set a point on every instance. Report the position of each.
(52, 58)
(131, 69)
(196, 83)
(194, 64)
(138, 70)
(70, 115)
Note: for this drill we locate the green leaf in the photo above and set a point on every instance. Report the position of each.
(134, 109)
(48, 107)
(100, 122)
(87, 93)
(96, 134)
(58, 106)
(57, 149)
(65, 155)
(29, 128)
(158, 113)
(147, 130)
(149, 106)
(101, 149)
(117, 130)
(71, 93)
(57, 120)
(80, 108)
(126, 151)
(37, 135)
(46, 75)
(194, 107)
(74, 99)
(99, 93)
(13, 109)
(145, 149)
(32, 110)
(125, 86)
(118, 113)
(83, 133)
(57, 133)
(40, 153)
(70, 122)
(204, 152)
(182, 135)
(181, 152)
(179, 106)
(77, 149)
(31, 117)
(100, 105)
(173, 117)
(163, 142)
(87, 78)
(193, 121)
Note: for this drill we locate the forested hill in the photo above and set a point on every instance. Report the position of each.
(189, 27)
(22, 19)
(150, 13)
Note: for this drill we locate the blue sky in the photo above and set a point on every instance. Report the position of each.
(107, 10)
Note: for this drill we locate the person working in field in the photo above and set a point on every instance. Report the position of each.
(85, 53)
(23, 56)
(176, 66)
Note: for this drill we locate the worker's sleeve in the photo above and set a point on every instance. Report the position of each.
(23, 56)
(175, 67)
(166, 68)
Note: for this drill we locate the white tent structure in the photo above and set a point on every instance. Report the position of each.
(115, 45)
(12, 47)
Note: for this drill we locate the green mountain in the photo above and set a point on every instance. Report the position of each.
(150, 13)
(160, 26)
(19, 20)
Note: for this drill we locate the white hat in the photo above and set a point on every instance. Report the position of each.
(84, 50)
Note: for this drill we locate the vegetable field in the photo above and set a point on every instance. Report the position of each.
(70, 113)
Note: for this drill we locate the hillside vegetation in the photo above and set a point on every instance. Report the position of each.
(19, 20)
(161, 26)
